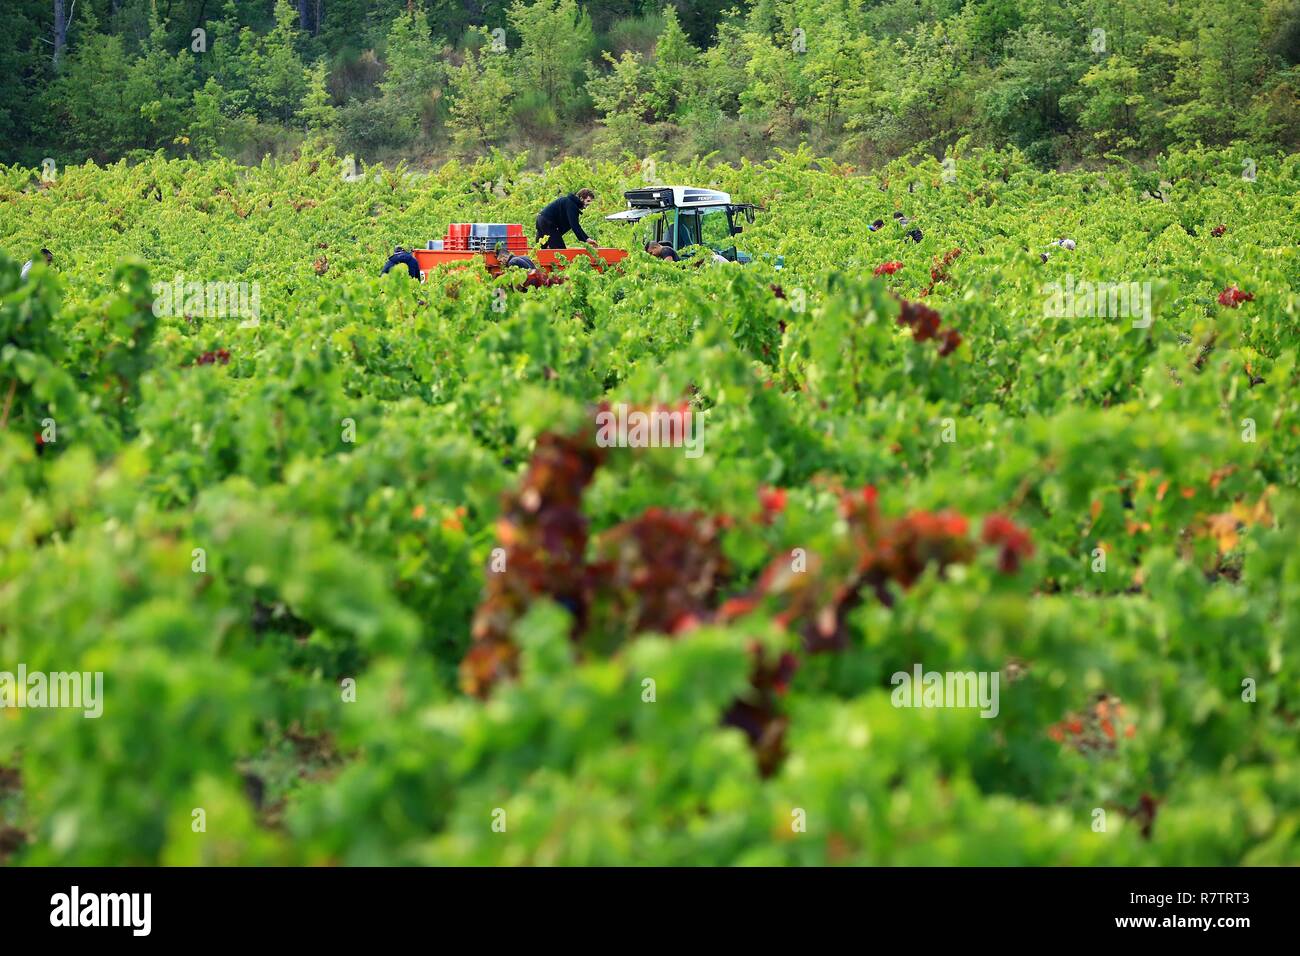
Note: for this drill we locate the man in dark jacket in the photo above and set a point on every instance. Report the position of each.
(561, 216)
(401, 257)
(662, 251)
(508, 260)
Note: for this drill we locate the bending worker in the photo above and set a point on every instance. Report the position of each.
(49, 261)
(401, 257)
(661, 251)
(561, 216)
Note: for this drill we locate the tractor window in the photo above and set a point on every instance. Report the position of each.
(715, 228)
(688, 228)
(653, 229)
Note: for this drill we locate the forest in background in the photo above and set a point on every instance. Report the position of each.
(861, 81)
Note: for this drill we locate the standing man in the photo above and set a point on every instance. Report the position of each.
(560, 216)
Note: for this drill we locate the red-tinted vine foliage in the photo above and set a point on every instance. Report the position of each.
(665, 571)
(939, 270)
(888, 268)
(537, 279)
(1144, 814)
(218, 357)
(758, 713)
(926, 324)
(1218, 230)
(815, 599)
(657, 572)
(1012, 541)
(772, 501)
(1231, 297)
(544, 535)
(1097, 729)
(679, 427)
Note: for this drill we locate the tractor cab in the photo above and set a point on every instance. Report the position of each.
(683, 217)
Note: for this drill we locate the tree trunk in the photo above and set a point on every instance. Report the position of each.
(309, 16)
(60, 32)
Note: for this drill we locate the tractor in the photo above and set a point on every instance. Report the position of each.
(684, 216)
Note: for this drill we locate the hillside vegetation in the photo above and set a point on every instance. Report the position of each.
(864, 81)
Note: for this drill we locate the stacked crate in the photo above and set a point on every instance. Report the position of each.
(457, 238)
(484, 236)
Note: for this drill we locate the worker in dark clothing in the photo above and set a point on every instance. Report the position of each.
(561, 216)
(49, 261)
(401, 257)
(508, 260)
(662, 251)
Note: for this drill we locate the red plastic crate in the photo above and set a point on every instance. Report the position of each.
(514, 229)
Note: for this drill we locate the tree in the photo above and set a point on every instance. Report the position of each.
(317, 115)
(620, 97)
(833, 62)
(1021, 103)
(159, 88)
(208, 124)
(721, 72)
(87, 98)
(479, 92)
(60, 32)
(776, 83)
(555, 37)
(454, 17)
(1111, 108)
(700, 18)
(1232, 60)
(993, 22)
(674, 74)
(309, 14)
(414, 76)
(278, 78)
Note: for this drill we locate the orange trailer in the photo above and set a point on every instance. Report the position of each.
(548, 260)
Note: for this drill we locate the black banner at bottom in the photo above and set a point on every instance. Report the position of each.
(334, 906)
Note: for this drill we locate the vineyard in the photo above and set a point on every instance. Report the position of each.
(364, 588)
